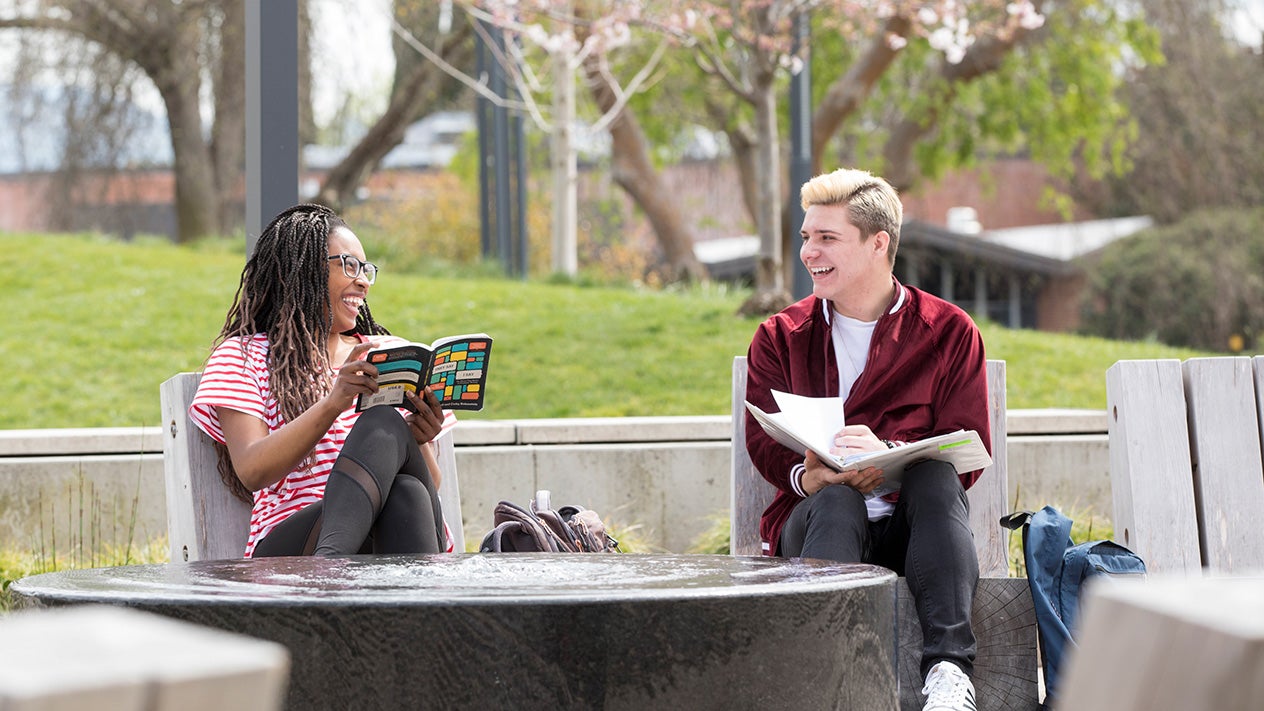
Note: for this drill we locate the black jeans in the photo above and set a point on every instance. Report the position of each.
(927, 539)
(380, 498)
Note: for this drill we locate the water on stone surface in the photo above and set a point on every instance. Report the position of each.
(488, 577)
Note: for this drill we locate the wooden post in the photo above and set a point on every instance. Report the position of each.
(1168, 645)
(1150, 473)
(103, 657)
(1224, 438)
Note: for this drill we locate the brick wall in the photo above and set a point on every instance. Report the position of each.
(1004, 193)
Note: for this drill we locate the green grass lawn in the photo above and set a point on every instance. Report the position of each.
(93, 326)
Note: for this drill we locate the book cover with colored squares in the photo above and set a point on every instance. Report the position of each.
(455, 368)
(459, 372)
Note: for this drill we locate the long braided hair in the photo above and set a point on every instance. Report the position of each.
(284, 293)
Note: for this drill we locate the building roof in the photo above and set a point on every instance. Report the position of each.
(1068, 240)
(1041, 249)
(924, 234)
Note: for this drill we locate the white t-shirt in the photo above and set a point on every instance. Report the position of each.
(851, 350)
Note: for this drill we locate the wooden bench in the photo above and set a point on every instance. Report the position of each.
(204, 520)
(1170, 642)
(108, 657)
(1185, 462)
(1187, 485)
(1005, 675)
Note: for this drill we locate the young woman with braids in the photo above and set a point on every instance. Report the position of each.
(277, 395)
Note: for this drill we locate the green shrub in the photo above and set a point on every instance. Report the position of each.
(16, 564)
(715, 539)
(435, 231)
(631, 537)
(1196, 283)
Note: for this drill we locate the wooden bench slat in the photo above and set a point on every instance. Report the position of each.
(450, 490)
(1224, 436)
(1151, 476)
(750, 493)
(1193, 644)
(204, 520)
(989, 497)
(1257, 364)
(119, 659)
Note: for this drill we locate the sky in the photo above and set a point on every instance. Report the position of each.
(352, 50)
(1249, 21)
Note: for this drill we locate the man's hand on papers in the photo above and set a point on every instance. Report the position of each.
(817, 476)
(854, 439)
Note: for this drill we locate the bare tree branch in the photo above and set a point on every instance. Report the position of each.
(418, 89)
(716, 66)
(849, 91)
(478, 85)
(622, 95)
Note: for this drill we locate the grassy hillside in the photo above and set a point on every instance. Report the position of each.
(93, 326)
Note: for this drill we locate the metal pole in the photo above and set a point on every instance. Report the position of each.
(520, 205)
(800, 145)
(981, 294)
(500, 152)
(483, 109)
(1015, 302)
(272, 142)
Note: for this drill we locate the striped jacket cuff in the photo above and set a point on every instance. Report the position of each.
(796, 479)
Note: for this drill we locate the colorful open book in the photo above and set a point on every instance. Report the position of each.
(455, 368)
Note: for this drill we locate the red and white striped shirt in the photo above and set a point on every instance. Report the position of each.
(236, 376)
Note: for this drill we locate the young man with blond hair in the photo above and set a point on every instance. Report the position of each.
(907, 365)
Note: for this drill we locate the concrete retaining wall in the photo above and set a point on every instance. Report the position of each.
(668, 477)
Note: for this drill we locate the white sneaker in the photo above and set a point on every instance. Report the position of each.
(948, 689)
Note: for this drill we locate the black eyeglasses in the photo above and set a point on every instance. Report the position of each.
(353, 267)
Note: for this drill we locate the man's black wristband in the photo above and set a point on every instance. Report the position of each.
(889, 443)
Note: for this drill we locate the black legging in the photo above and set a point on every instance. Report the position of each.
(380, 498)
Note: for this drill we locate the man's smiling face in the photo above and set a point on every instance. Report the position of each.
(835, 254)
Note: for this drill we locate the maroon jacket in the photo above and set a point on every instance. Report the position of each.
(926, 375)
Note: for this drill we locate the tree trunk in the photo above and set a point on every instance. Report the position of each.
(197, 199)
(420, 89)
(634, 172)
(228, 132)
(983, 57)
(742, 143)
(565, 169)
(770, 290)
(177, 76)
(306, 116)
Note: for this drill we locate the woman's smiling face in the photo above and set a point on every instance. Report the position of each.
(346, 294)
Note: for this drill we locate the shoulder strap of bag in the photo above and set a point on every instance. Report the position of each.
(567, 540)
(541, 538)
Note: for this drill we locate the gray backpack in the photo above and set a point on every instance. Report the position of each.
(540, 529)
